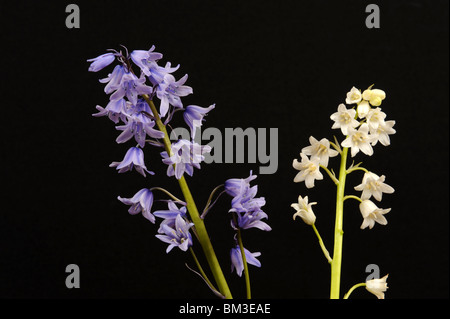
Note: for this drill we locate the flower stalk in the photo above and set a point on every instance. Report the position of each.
(338, 229)
(200, 228)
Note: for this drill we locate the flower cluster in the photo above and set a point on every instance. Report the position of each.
(128, 104)
(130, 97)
(247, 213)
(363, 128)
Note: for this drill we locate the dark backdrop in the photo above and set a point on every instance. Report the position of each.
(265, 64)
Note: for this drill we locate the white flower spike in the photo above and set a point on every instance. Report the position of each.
(377, 286)
(304, 210)
(371, 214)
(309, 170)
(320, 149)
(373, 185)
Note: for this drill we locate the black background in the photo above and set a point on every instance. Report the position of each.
(265, 64)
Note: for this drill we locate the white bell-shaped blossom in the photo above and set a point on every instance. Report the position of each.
(371, 214)
(344, 119)
(309, 170)
(377, 286)
(359, 140)
(381, 134)
(304, 210)
(354, 96)
(373, 185)
(320, 149)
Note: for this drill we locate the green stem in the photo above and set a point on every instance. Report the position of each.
(363, 284)
(244, 260)
(333, 178)
(322, 245)
(338, 229)
(353, 197)
(167, 193)
(200, 268)
(200, 228)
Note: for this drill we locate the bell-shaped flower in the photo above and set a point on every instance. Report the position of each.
(170, 215)
(373, 185)
(237, 261)
(251, 219)
(371, 214)
(114, 110)
(138, 124)
(359, 140)
(381, 134)
(142, 201)
(101, 62)
(309, 170)
(344, 119)
(304, 210)
(178, 236)
(236, 186)
(185, 156)
(134, 158)
(169, 91)
(375, 96)
(375, 118)
(320, 149)
(354, 96)
(144, 59)
(377, 286)
(363, 109)
(131, 86)
(193, 116)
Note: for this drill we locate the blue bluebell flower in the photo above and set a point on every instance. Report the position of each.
(134, 158)
(145, 59)
(169, 91)
(193, 116)
(251, 220)
(142, 201)
(178, 236)
(186, 156)
(101, 62)
(237, 262)
(170, 215)
(138, 123)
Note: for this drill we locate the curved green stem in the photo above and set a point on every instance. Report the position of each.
(244, 260)
(322, 245)
(167, 193)
(338, 229)
(353, 197)
(200, 228)
(200, 268)
(363, 284)
(332, 176)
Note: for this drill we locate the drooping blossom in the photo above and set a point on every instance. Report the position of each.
(309, 170)
(237, 261)
(134, 158)
(373, 185)
(371, 214)
(377, 286)
(185, 156)
(193, 116)
(304, 210)
(142, 201)
(354, 96)
(177, 236)
(320, 149)
(101, 62)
